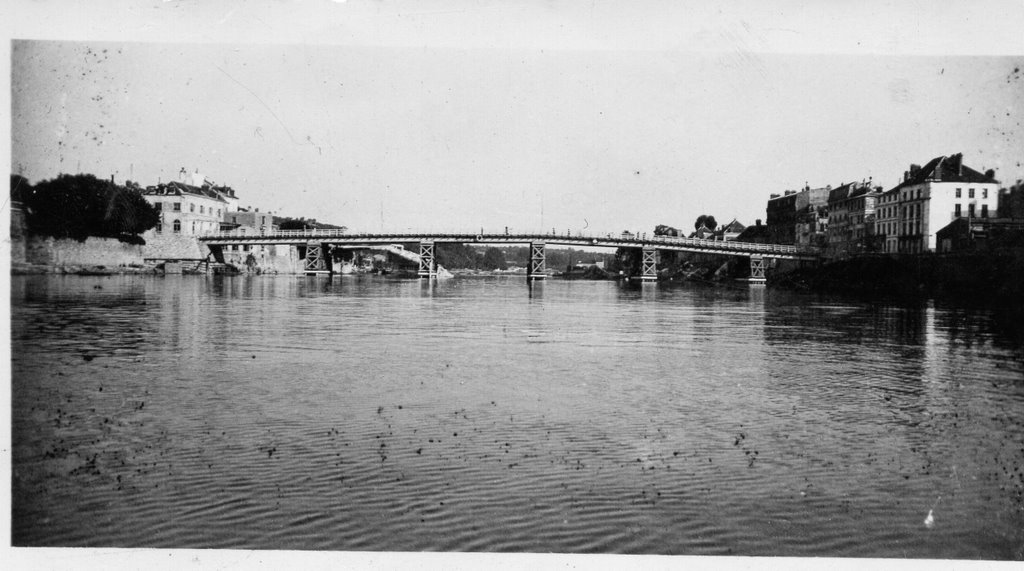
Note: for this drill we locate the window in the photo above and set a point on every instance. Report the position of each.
(958, 212)
(970, 193)
(193, 226)
(177, 226)
(202, 209)
(177, 207)
(970, 210)
(984, 193)
(959, 191)
(159, 206)
(234, 220)
(191, 207)
(984, 211)
(159, 227)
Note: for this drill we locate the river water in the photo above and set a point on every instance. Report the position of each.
(478, 414)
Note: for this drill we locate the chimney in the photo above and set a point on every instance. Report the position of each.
(773, 196)
(957, 162)
(914, 169)
(990, 173)
(757, 222)
(906, 176)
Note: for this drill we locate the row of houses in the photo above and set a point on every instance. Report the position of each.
(928, 211)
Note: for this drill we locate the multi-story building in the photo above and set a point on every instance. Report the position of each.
(795, 216)
(190, 209)
(932, 196)
(249, 222)
(851, 227)
(887, 220)
(245, 222)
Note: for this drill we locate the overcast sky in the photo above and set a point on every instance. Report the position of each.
(462, 115)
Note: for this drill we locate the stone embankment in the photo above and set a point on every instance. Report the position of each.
(41, 255)
(66, 256)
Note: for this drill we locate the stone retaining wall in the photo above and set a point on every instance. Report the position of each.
(64, 252)
(165, 245)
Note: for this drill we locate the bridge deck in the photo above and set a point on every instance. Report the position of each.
(342, 237)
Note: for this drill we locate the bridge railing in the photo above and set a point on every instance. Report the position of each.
(614, 238)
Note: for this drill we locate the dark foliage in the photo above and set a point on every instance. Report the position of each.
(80, 206)
(20, 186)
(707, 221)
(462, 256)
(493, 259)
(663, 230)
(285, 223)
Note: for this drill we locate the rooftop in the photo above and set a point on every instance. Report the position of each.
(945, 169)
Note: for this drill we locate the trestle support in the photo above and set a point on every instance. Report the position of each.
(316, 261)
(757, 275)
(537, 269)
(428, 264)
(649, 265)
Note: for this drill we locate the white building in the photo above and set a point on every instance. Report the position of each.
(929, 198)
(887, 220)
(187, 210)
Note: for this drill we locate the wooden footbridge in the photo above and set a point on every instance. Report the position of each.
(314, 244)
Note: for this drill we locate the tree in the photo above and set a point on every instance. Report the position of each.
(80, 206)
(493, 259)
(302, 223)
(707, 221)
(20, 187)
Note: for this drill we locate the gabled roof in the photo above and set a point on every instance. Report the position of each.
(180, 188)
(734, 226)
(946, 169)
(840, 192)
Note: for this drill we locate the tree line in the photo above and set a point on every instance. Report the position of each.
(463, 256)
(79, 206)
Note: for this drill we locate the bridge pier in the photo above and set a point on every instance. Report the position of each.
(313, 262)
(649, 265)
(757, 269)
(536, 270)
(428, 264)
(327, 254)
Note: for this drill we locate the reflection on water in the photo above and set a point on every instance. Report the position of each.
(484, 415)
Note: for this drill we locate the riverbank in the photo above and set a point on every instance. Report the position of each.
(977, 277)
(27, 269)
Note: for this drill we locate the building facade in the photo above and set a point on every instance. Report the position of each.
(887, 219)
(797, 217)
(852, 216)
(932, 196)
(191, 208)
